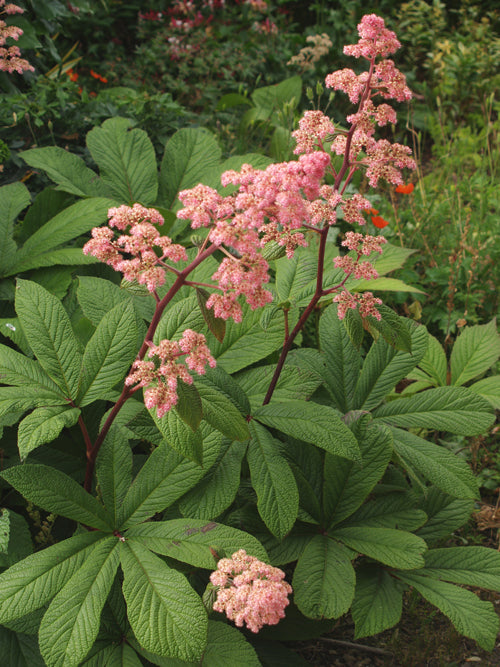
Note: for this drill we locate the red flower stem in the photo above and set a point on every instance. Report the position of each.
(180, 281)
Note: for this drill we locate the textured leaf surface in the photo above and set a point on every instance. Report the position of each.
(475, 350)
(194, 541)
(246, 342)
(108, 354)
(18, 650)
(434, 363)
(65, 226)
(189, 154)
(378, 601)
(273, 481)
(164, 478)
(471, 616)
(395, 510)
(221, 413)
(32, 582)
(18, 370)
(343, 361)
(56, 492)
(218, 489)
(395, 548)
(179, 436)
(447, 471)
(13, 199)
(384, 367)
(66, 169)
(324, 579)
(453, 409)
(445, 514)
(294, 384)
(184, 314)
(166, 615)
(473, 566)
(48, 331)
(318, 424)
(347, 484)
(114, 470)
(44, 425)
(71, 623)
(227, 646)
(488, 388)
(126, 160)
(292, 275)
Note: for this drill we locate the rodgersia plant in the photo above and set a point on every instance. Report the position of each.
(335, 487)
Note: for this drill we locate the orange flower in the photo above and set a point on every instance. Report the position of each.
(379, 222)
(73, 76)
(371, 211)
(405, 189)
(98, 76)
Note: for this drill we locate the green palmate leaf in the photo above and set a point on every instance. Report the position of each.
(378, 601)
(221, 413)
(445, 514)
(395, 510)
(347, 484)
(4, 531)
(386, 285)
(97, 297)
(188, 406)
(181, 316)
(179, 435)
(65, 226)
(47, 204)
(66, 169)
(13, 199)
(273, 481)
(126, 160)
(246, 342)
(218, 489)
(16, 540)
(16, 399)
(343, 361)
(385, 366)
(62, 256)
(453, 409)
(227, 646)
(224, 383)
(472, 566)
(395, 548)
(32, 582)
(164, 478)
(71, 623)
(108, 354)
(199, 543)
(294, 384)
(48, 331)
(56, 492)
(114, 470)
(471, 616)
(189, 155)
(393, 329)
(318, 424)
(44, 425)
(10, 327)
(488, 388)
(445, 470)
(292, 275)
(306, 462)
(433, 364)
(216, 324)
(324, 579)
(18, 650)
(111, 655)
(392, 257)
(18, 370)
(475, 350)
(166, 615)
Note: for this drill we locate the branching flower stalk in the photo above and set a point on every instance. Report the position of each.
(280, 204)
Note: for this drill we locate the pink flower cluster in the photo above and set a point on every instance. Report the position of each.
(161, 380)
(10, 60)
(145, 266)
(250, 592)
(366, 304)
